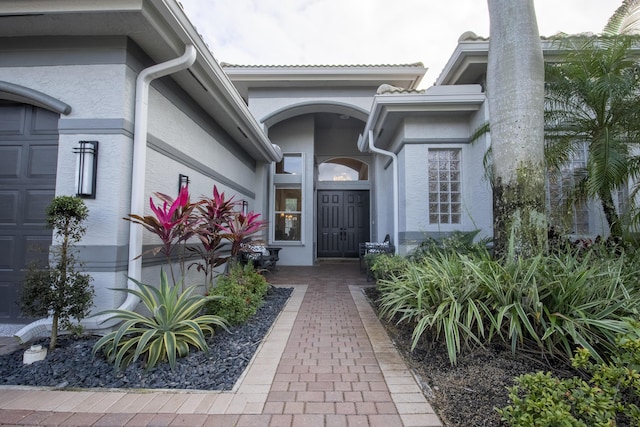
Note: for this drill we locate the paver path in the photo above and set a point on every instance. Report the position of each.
(326, 362)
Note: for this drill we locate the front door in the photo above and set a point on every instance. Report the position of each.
(28, 161)
(343, 222)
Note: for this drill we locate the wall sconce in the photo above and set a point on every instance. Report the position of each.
(245, 207)
(86, 169)
(183, 181)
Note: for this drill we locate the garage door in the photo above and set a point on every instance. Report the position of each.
(28, 160)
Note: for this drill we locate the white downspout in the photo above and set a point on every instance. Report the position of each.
(396, 199)
(146, 76)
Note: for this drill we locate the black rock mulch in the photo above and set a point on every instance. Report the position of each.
(70, 365)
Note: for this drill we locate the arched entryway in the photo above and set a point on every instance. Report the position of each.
(28, 162)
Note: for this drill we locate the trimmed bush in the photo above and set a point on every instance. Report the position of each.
(609, 397)
(241, 292)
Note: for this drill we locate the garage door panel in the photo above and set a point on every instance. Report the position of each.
(12, 120)
(43, 160)
(10, 161)
(28, 162)
(35, 206)
(9, 208)
(44, 122)
(34, 249)
(7, 253)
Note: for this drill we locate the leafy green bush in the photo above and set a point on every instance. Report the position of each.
(436, 295)
(174, 324)
(461, 242)
(610, 397)
(385, 266)
(239, 293)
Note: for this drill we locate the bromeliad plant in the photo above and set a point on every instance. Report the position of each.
(166, 334)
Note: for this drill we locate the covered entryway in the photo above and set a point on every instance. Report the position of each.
(28, 161)
(343, 222)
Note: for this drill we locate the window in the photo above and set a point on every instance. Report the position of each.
(288, 214)
(572, 216)
(343, 169)
(291, 164)
(287, 199)
(444, 187)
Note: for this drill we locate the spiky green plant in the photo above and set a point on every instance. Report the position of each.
(174, 324)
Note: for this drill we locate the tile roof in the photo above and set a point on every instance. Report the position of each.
(415, 64)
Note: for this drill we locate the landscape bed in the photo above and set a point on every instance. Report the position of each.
(71, 365)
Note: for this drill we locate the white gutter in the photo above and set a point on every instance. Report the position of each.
(146, 76)
(396, 199)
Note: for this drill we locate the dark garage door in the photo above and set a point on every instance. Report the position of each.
(28, 160)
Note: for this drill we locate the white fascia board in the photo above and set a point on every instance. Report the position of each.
(22, 7)
(465, 52)
(214, 77)
(455, 99)
(411, 74)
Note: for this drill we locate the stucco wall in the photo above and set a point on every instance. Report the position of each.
(100, 88)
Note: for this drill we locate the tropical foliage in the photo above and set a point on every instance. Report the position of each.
(173, 325)
(545, 304)
(592, 98)
(60, 291)
(213, 221)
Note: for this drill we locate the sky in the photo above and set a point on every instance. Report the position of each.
(349, 32)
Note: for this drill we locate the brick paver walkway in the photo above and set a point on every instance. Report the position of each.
(326, 362)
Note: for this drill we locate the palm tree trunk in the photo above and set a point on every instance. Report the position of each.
(611, 214)
(515, 91)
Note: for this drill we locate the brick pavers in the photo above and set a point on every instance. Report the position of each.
(326, 362)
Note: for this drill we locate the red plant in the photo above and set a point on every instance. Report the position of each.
(239, 228)
(172, 221)
(213, 213)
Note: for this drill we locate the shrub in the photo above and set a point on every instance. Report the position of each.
(239, 293)
(385, 266)
(436, 295)
(173, 325)
(60, 291)
(610, 396)
(543, 303)
(461, 242)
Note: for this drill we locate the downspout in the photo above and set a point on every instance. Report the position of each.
(396, 199)
(146, 76)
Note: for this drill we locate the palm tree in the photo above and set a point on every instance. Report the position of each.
(515, 91)
(593, 98)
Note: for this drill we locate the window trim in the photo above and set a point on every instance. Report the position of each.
(283, 181)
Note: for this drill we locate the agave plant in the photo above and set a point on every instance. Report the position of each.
(174, 324)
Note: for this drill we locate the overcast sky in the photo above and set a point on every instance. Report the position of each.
(330, 32)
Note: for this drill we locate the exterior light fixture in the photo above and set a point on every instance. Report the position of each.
(86, 169)
(183, 181)
(245, 207)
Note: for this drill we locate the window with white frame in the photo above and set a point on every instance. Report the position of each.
(287, 201)
(445, 197)
(288, 214)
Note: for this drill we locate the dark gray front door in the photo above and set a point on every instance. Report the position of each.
(28, 161)
(343, 222)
